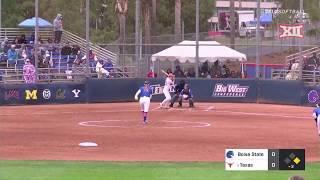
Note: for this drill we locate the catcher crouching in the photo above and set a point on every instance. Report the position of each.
(186, 95)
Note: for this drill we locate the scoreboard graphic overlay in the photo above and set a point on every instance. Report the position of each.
(264, 159)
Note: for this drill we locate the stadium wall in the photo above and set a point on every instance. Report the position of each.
(123, 90)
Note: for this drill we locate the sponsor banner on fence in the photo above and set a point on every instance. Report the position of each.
(234, 90)
(43, 93)
(157, 89)
(291, 30)
(230, 90)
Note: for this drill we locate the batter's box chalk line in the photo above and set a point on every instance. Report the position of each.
(138, 124)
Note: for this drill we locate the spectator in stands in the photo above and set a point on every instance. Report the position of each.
(289, 65)
(24, 53)
(47, 60)
(31, 39)
(40, 41)
(108, 65)
(233, 74)
(57, 27)
(92, 58)
(151, 73)
(204, 68)
(66, 50)
(313, 62)
(178, 72)
(190, 73)
(5, 45)
(75, 49)
(216, 70)
(125, 70)
(12, 56)
(29, 72)
(49, 45)
(100, 70)
(78, 59)
(42, 47)
(16, 42)
(22, 39)
(225, 71)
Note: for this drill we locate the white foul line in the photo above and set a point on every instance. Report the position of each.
(261, 114)
(209, 108)
(96, 124)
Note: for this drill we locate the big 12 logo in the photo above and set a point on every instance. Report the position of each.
(291, 30)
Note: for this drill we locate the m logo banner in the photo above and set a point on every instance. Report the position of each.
(291, 30)
(31, 95)
(230, 90)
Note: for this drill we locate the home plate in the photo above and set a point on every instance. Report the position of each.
(88, 144)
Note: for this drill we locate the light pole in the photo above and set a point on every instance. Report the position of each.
(137, 34)
(87, 36)
(36, 34)
(232, 24)
(300, 48)
(0, 18)
(258, 41)
(197, 39)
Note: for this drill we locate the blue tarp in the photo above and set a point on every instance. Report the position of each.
(264, 19)
(31, 23)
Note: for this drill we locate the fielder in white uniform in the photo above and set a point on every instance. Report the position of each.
(168, 84)
(145, 94)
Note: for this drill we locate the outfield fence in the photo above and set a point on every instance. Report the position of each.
(123, 90)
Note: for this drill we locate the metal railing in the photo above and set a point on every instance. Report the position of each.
(76, 74)
(12, 33)
(307, 76)
(45, 33)
(102, 53)
(308, 53)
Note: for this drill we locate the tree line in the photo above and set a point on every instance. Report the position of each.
(158, 16)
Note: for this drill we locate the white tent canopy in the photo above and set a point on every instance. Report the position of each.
(210, 51)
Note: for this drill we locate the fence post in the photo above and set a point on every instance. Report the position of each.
(59, 62)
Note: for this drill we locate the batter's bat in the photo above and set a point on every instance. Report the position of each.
(164, 72)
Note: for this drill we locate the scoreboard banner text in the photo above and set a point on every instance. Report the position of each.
(264, 159)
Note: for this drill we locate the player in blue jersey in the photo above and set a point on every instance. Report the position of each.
(316, 116)
(145, 94)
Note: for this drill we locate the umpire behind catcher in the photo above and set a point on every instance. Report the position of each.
(177, 90)
(186, 94)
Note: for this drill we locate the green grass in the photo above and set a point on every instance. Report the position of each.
(74, 170)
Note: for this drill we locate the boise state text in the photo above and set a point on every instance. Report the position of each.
(230, 90)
